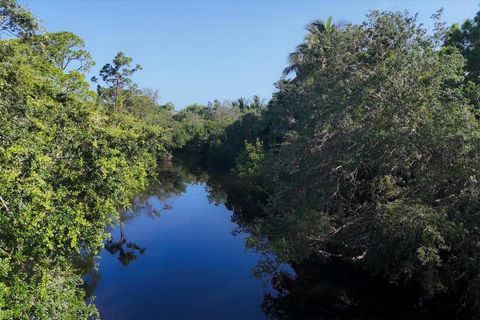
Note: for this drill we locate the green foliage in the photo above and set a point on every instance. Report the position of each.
(467, 39)
(372, 155)
(369, 151)
(217, 132)
(66, 51)
(15, 20)
(66, 167)
(249, 161)
(119, 84)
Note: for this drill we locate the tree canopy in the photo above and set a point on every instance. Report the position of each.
(67, 164)
(368, 152)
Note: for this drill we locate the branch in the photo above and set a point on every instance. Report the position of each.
(4, 204)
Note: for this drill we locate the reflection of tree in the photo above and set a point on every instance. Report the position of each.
(338, 290)
(86, 265)
(316, 289)
(322, 289)
(126, 251)
(332, 290)
(245, 199)
(171, 180)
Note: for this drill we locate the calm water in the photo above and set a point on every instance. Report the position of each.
(177, 258)
(179, 254)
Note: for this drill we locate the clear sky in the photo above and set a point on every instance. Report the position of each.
(197, 51)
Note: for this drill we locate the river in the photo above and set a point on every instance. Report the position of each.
(180, 252)
(176, 255)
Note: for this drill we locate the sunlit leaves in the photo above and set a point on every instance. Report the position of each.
(66, 167)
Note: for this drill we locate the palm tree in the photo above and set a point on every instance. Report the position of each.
(305, 53)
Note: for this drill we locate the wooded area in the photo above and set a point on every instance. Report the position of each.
(369, 151)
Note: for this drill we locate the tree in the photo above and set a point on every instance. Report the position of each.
(467, 39)
(249, 161)
(306, 55)
(377, 156)
(64, 49)
(66, 167)
(118, 78)
(15, 20)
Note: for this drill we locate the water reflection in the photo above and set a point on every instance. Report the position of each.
(172, 181)
(195, 227)
(125, 251)
(173, 255)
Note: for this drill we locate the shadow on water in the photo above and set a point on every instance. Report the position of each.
(195, 226)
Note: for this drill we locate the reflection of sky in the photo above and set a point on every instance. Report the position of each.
(192, 267)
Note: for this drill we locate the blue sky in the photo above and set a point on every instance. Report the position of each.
(197, 51)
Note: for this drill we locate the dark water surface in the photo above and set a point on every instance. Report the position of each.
(180, 252)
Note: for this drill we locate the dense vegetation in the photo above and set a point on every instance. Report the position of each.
(69, 159)
(368, 151)
(215, 134)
